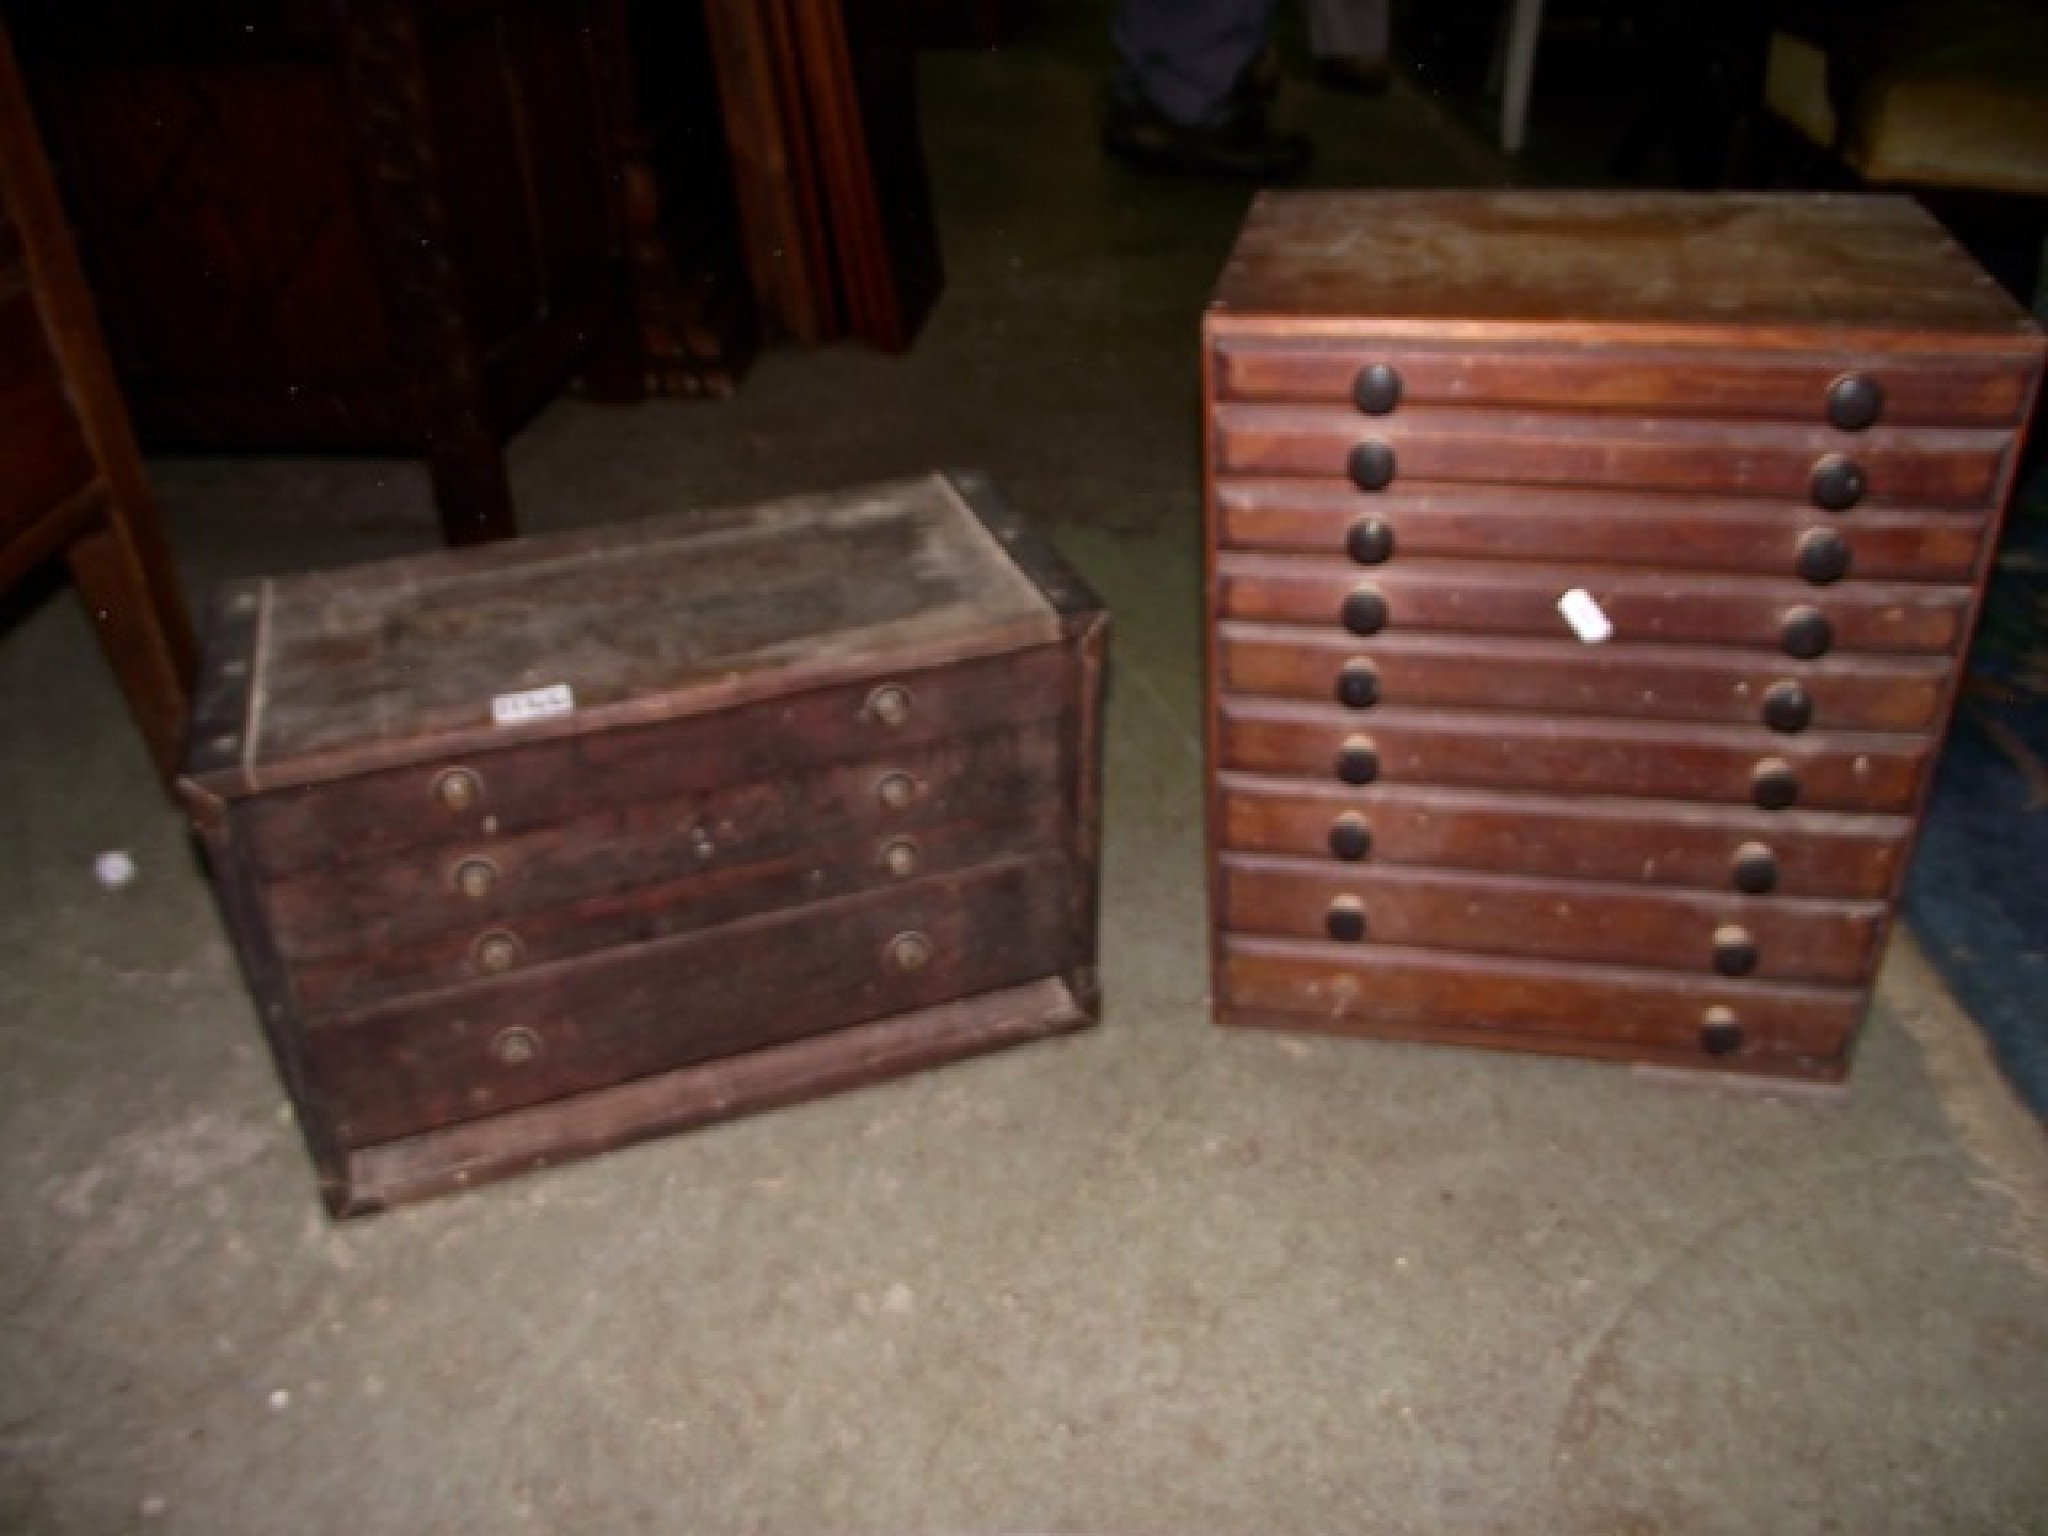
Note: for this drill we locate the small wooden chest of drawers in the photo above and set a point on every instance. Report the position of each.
(533, 850)
(1588, 578)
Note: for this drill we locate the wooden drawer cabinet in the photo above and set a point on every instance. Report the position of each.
(543, 848)
(1588, 578)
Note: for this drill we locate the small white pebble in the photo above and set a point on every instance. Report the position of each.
(898, 1299)
(154, 1506)
(280, 1400)
(114, 869)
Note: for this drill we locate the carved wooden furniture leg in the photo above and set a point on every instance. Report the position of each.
(71, 480)
(386, 87)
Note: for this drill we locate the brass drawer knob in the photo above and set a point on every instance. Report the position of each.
(476, 878)
(1358, 685)
(1837, 483)
(1755, 869)
(1823, 557)
(900, 856)
(515, 1047)
(1358, 761)
(1365, 611)
(909, 952)
(1788, 708)
(1345, 921)
(1735, 951)
(1773, 785)
(895, 790)
(1805, 634)
(1371, 465)
(1370, 541)
(496, 951)
(1720, 1031)
(1376, 389)
(1350, 837)
(457, 788)
(1855, 401)
(889, 704)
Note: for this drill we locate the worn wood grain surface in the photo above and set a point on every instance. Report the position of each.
(1758, 271)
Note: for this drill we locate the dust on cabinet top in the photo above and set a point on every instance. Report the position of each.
(313, 676)
(1767, 269)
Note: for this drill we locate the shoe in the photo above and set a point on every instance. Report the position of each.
(1238, 146)
(1354, 72)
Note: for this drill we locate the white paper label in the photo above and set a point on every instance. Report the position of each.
(532, 704)
(1584, 615)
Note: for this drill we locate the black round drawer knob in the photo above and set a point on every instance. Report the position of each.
(1345, 921)
(1805, 634)
(1755, 869)
(1855, 401)
(1358, 761)
(1370, 541)
(1365, 611)
(1837, 483)
(1358, 685)
(1823, 557)
(1377, 388)
(1773, 785)
(1788, 708)
(1372, 465)
(1350, 837)
(1734, 950)
(1720, 1031)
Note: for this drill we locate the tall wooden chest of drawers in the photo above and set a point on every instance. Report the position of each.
(1589, 576)
(535, 849)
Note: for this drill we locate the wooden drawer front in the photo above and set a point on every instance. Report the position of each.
(1920, 466)
(1550, 677)
(1336, 988)
(1642, 605)
(330, 985)
(1668, 533)
(1787, 853)
(634, 872)
(1917, 388)
(1589, 757)
(620, 1015)
(1770, 938)
(520, 788)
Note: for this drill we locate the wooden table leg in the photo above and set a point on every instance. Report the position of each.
(387, 92)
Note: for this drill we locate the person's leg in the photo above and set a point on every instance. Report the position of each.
(1187, 57)
(1349, 39)
(1183, 99)
(1348, 28)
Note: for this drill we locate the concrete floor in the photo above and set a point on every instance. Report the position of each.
(1155, 1278)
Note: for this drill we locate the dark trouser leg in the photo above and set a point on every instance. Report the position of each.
(1186, 56)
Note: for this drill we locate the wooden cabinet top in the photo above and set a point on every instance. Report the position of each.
(315, 676)
(1794, 270)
